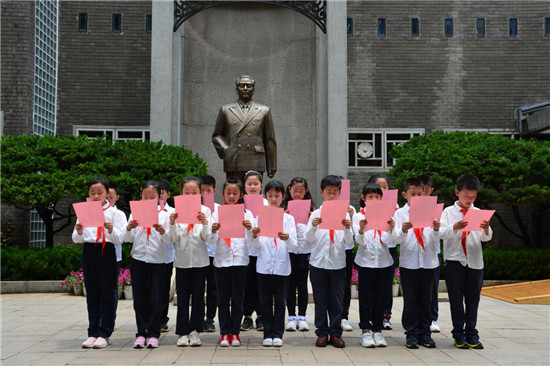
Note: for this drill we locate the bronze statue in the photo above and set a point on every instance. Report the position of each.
(244, 137)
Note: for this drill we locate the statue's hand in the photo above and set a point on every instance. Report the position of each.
(271, 173)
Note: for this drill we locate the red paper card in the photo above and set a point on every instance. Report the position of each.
(208, 201)
(231, 219)
(474, 218)
(187, 208)
(145, 212)
(391, 196)
(422, 211)
(252, 202)
(270, 221)
(89, 214)
(332, 214)
(378, 213)
(345, 191)
(438, 211)
(299, 209)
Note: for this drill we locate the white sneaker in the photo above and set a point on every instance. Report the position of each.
(291, 325)
(366, 340)
(194, 339)
(302, 324)
(277, 342)
(386, 324)
(101, 342)
(268, 342)
(345, 324)
(434, 327)
(89, 343)
(379, 340)
(183, 341)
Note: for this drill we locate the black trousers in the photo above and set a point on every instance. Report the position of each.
(389, 290)
(101, 278)
(190, 283)
(417, 287)
(115, 292)
(464, 288)
(435, 295)
(211, 292)
(273, 291)
(328, 295)
(147, 283)
(230, 283)
(251, 294)
(297, 282)
(347, 288)
(169, 267)
(372, 296)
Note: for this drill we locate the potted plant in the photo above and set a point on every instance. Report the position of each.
(396, 282)
(354, 283)
(74, 282)
(125, 283)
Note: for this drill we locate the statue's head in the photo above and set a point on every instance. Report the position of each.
(245, 88)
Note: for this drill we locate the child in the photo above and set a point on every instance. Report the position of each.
(434, 327)
(100, 266)
(273, 267)
(417, 262)
(230, 260)
(299, 260)
(464, 262)
(252, 185)
(148, 263)
(169, 251)
(375, 264)
(328, 268)
(208, 186)
(191, 262)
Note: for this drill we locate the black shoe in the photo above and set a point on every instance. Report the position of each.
(337, 342)
(247, 324)
(474, 343)
(427, 341)
(209, 326)
(461, 343)
(412, 343)
(322, 341)
(164, 328)
(259, 325)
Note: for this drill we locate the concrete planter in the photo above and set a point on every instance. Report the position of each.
(395, 290)
(128, 294)
(354, 292)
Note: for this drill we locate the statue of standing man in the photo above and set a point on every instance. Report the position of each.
(244, 136)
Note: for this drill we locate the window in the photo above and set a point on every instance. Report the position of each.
(113, 133)
(381, 27)
(38, 231)
(83, 22)
(547, 27)
(415, 27)
(370, 148)
(350, 27)
(117, 23)
(513, 27)
(480, 27)
(148, 23)
(448, 27)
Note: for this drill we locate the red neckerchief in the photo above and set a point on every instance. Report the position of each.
(275, 241)
(189, 228)
(418, 231)
(101, 231)
(464, 233)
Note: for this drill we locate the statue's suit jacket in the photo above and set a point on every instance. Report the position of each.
(245, 142)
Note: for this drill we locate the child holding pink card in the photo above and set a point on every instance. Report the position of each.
(374, 264)
(298, 190)
(464, 262)
(191, 262)
(100, 266)
(231, 260)
(148, 266)
(273, 267)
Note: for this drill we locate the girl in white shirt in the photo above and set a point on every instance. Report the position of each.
(100, 266)
(191, 262)
(273, 268)
(148, 269)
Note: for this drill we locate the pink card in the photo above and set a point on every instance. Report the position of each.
(208, 201)
(162, 203)
(88, 199)
(422, 211)
(345, 191)
(270, 221)
(378, 213)
(187, 208)
(438, 211)
(299, 209)
(231, 219)
(252, 202)
(145, 212)
(391, 196)
(332, 214)
(474, 218)
(89, 214)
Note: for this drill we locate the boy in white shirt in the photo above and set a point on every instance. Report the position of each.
(463, 256)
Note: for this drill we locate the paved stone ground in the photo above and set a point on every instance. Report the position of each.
(47, 329)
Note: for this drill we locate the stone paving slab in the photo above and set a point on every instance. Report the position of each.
(48, 328)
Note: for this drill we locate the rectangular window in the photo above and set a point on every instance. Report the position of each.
(415, 27)
(113, 133)
(117, 23)
(480, 27)
(350, 27)
(83, 22)
(513, 27)
(547, 27)
(448, 27)
(148, 23)
(381, 27)
(38, 231)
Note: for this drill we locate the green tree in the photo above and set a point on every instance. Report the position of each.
(512, 172)
(37, 172)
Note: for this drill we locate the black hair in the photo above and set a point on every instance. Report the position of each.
(468, 181)
(331, 180)
(100, 180)
(426, 180)
(113, 185)
(208, 179)
(233, 180)
(373, 178)
(276, 185)
(164, 185)
(288, 197)
(190, 179)
(416, 182)
(153, 184)
(370, 188)
(252, 173)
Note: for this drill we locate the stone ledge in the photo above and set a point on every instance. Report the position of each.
(18, 287)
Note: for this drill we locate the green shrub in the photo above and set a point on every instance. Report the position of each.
(516, 264)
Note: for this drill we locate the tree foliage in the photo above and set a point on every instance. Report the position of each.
(37, 172)
(512, 172)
